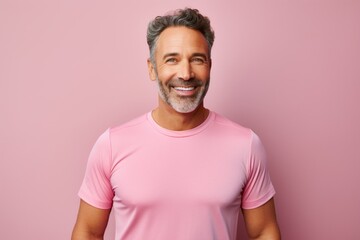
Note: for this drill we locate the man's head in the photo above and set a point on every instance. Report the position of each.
(190, 18)
(180, 62)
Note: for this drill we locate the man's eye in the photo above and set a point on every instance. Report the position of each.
(170, 60)
(198, 60)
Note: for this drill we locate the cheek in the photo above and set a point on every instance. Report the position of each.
(202, 71)
(166, 74)
(203, 76)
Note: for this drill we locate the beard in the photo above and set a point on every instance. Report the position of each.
(183, 104)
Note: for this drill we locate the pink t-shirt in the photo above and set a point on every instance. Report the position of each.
(178, 185)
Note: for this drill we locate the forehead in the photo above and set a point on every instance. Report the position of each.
(181, 40)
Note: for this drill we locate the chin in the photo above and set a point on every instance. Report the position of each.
(184, 108)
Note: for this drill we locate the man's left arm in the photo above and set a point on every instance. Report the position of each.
(261, 222)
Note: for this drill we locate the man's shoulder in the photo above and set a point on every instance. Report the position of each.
(226, 123)
(131, 125)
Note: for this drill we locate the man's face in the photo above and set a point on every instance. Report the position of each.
(182, 68)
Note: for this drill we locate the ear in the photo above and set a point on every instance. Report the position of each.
(151, 69)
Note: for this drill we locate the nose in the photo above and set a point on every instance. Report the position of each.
(185, 72)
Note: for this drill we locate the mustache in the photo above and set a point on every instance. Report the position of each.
(193, 82)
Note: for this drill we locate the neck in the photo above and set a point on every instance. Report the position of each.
(168, 118)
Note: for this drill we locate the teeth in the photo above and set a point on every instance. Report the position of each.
(184, 88)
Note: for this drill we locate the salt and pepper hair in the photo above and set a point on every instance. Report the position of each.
(187, 17)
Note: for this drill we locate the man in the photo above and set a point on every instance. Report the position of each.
(180, 172)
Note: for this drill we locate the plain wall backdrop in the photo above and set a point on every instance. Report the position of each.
(290, 70)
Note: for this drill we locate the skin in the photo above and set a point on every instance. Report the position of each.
(181, 55)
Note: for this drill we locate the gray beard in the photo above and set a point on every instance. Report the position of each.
(183, 104)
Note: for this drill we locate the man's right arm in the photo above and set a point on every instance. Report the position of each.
(91, 222)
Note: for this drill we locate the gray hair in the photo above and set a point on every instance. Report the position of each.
(187, 17)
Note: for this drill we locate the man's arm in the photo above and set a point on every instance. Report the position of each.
(91, 222)
(261, 222)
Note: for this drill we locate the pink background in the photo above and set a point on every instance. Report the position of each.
(287, 69)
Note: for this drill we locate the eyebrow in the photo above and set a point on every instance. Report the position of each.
(170, 55)
(174, 54)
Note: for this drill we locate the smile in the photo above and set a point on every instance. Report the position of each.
(185, 91)
(184, 88)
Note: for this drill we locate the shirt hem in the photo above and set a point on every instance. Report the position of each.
(259, 202)
(96, 204)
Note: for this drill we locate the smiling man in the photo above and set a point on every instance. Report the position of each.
(181, 171)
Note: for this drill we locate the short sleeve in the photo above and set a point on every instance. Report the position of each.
(96, 188)
(258, 188)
